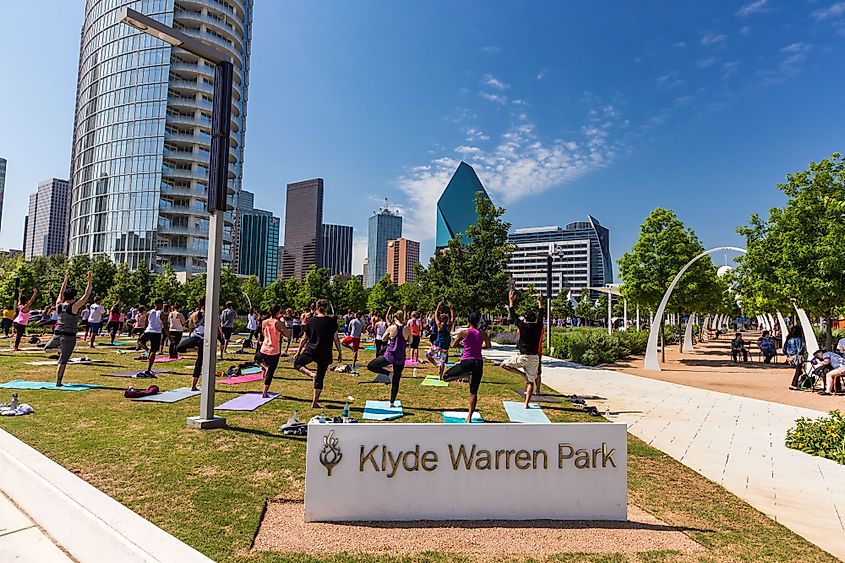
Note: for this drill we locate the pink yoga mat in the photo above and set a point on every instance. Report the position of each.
(161, 359)
(241, 379)
(411, 363)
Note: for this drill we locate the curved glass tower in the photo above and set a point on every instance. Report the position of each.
(456, 206)
(142, 133)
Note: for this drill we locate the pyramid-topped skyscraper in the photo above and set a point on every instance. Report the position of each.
(456, 206)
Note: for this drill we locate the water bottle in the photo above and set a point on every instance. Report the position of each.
(346, 411)
(415, 372)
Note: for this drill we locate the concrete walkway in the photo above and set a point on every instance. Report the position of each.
(735, 441)
(22, 541)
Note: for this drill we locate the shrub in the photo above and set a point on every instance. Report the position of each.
(591, 347)
(824, 437)
(505, 338)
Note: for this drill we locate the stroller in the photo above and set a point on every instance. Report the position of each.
(815, 376)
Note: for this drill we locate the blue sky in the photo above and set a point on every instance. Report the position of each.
(564, 108)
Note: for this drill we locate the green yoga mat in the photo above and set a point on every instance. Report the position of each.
(460, 417)
(432, 381)
(21, 384)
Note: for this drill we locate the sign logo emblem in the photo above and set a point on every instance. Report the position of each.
(330, 455)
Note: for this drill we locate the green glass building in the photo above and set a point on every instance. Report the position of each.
(259, 245)
(456, 206)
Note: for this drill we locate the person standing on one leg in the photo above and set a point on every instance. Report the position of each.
(353, 341)
(95, 320)
(397, 337)
(177, 328)
(415, 326)
(67, 325)
(273, 329)
(473, 340)
(140, 327)
(153, 335)
(8, 319)
(113, 326)
(526, 361)
(316, 347)
(252, 320)
(379, 328)
(227, 325)
(438, 354)
(196, 324)
(21, 320)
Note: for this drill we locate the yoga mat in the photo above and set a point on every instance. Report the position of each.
(251, 371)
(540, 398)
(21, 384)
(434, 381)
(381, 410)
(411, 363)
(532, 415)
(160, 359)
(370, 348)
(246, 402)
(115, 344)
(380, 378)
(55, 362)
(242, 378)
(133, 373)
(460, 417)
(172, 396)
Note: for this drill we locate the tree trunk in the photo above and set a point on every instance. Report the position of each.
(828, 332)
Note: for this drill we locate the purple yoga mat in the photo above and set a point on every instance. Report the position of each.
(246, 402)
(133, 373)
(241, 379)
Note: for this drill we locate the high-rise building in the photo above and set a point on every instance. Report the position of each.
(581, 259)
(403, 257)
(456, 206)
(365, 275)
(142, 132)
(384, 225)
(246, 203)
(2, 186)
(279, 269)
(259, 250)
(303, 228)
(337, 250)
(46, 224)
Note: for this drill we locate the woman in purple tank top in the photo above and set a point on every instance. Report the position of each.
(473, 341)
(397, 337)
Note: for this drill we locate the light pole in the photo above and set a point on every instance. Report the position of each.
(553, 251)
(218, 173)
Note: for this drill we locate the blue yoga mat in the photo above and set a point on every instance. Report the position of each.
(21, 384)
(251, 371)
(370, 348)
(380, 410)
(532, 415)
(246, 402)
(172, 396)
(460, 417)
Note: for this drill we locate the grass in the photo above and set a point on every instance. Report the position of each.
(209, 488)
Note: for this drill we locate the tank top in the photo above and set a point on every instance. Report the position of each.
(395, 350)
(271, 345)
(67, 322)
(175, 322)
(444, 337)
(381, 328)
(23, 316)
(472, 345)
(416, 327)
(114, 317)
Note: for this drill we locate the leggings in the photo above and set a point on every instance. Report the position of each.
(189, 343)
(114, 328)
(175, 338)
(379, 344)
(378, 365)
(20, 330)
(271, 362)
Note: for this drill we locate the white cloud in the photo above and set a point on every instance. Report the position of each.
(476, 135)
(495, 98)
(751, 8)
(745, 30)
(541, 75)
(465, 150)
(359, 252)
(792, 56)
(834, 11)
(729, 68)
(681, 45)
(669, 80)
(492, 81)
(491, 49)
(712, 38)
(707, 62)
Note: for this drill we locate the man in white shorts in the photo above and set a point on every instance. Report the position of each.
(526, 361)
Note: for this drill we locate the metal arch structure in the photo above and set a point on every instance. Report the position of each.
(651, 360)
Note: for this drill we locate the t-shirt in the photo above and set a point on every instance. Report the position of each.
(96, 313)
(227, 318)
(836, 361)
(356, 327)
(252, 322)
(766, 344)
(154, 321)
(530, 334)
(841, 345)
(320, 332)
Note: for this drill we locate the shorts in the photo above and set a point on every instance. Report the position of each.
(66, 343)
(528, 363)
(113, 325)
(228, 331)
(307, 357)
(139, 331)
(154, 338)
(95, 327)
(19, 328)
(475, 368)
(415, 342)
(439, 356)
(271, 361)
(350, 342)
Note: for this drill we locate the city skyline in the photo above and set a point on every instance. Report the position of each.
(677, 114)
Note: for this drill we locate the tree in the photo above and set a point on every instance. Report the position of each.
(353, 296)
(123, 289)
(562, 306)
(410, 296)
(585, 308)
(103, 269)
(195, 290)
(20, 275)
(382, 296)
(230, 289)
(166, 287)
(317, 285)
(252, 289)
(796, 252)
(142, 279)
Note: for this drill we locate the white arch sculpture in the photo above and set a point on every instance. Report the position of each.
(810, 340)
(688, 347)
(651, 361)
(784, 330)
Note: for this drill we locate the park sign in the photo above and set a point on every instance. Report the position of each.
(371, 472)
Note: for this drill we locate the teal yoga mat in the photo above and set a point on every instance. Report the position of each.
(532, 415)
(370, 348)
(21, 384)
(251, 371)
(172, 396)
(381, 410)
(460, 417)
(433, 381)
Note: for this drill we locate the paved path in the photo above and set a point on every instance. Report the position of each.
(21, 540)
(735, 441)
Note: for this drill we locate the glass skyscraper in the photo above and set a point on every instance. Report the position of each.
(142, 132)
(259, 238)
(337, 250)
(456, 206)
(303, 228)
(384, 225)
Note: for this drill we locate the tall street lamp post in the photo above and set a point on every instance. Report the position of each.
(216, 200)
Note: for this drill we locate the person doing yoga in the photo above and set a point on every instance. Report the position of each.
(472, 362)
(526, 361)
(67, 325)
(438, 354)
(22, 317)
(316, 347)
(396, 337)
(273, 330)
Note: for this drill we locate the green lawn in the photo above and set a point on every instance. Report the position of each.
(208, 488)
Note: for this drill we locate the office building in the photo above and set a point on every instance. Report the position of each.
(2, 187)
(46, 224)
(279, 269)
(456, 206)
(142, 132)
(303, 228)
(383, 226)
(259, 245)
(337, 250)
(246, 204)
(403, 257)
(365, 273)
(582, 256)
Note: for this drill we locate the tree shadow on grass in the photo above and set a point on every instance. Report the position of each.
(266, 434)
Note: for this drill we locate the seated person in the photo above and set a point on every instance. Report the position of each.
(737, 348)
(840, 346)
(837, 363)
(767, 347)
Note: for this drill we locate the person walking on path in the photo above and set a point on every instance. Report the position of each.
(227, 325)
(438, 354)
(415, 326)
(354, 329)
(794, 350)
(273, 330)
(153, 334)
(21, 320)
(67, 324)
(473, 340)
(526, 360)
(397, 337)
(316, 347)
(177, 329)
(196, 323)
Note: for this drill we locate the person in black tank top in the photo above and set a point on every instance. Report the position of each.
(320, 334)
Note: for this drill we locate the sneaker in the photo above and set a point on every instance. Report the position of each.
(823, 393)
(793, 388)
